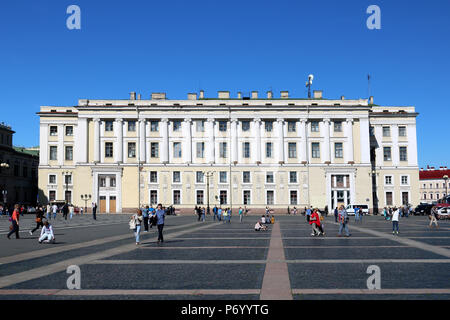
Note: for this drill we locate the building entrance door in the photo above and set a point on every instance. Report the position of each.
(112, 204)
(405, 198)
(102, 204)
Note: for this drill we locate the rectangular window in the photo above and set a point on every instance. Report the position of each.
(291, 126)
(389, 198)
(131, 126)
(222, 126)
(52, 179)
(154, 149)
(246, 149)
(222, 149)
(200, 149)
(112, 182)
(314, 126)
(404, 180)
(53, 153)
(402, 131)
(102, 182)
(245, 125)
(269, 148)
(387, 154)
(269, 177)
(200, 125)
(69, 131)
(293, 197)
(315, 148)
(292, 147)
(200, 197)
(177, 149)
(109, 126)
(53, 130)
(200, 177)
(176, 177)
(403, 154)
(246, 197)
(52, 195)
(270, 195)
(131, 149)
(108, 149)
(176, 125)
(223, 197)
(386, 131)
(338, 150)
(153, 197)
(338, 126)
(268, 125)
(246, 177)
(293, 177)
(388, 180)
(176, 197)
(69, 153)
(154, 126)
(153, 177)
(223, 177)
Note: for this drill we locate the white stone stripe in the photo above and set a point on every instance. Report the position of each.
(370, 292)
(115, 292)
(300, 261)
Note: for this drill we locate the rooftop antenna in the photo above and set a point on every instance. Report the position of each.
(368, 85)
(309, 84)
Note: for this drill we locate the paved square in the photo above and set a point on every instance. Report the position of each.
(216, 260)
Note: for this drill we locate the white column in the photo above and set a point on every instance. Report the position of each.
(349, 146)
(364, 140)
(187, 136)
(412, 145)
(164, 124)
(142, 138)
(280, 136)
(256, 132)
(209, 131)
(61, 151)
(395, 150)
(303, 142)
(43, 144)
(379, 150)
(81, 141)
(96, 140)
(326, 139)
(234, 141)
(118, 128)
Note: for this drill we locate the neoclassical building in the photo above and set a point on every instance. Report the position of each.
(248, 150)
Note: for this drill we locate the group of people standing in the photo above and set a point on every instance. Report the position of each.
(148, 216)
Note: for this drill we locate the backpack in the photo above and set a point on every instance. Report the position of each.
(132, 223)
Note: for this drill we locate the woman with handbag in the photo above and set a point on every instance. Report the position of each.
(39, 218)
(135, 225)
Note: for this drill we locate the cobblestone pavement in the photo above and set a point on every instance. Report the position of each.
(216, 260)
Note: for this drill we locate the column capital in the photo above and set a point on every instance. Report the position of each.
(96, 119)
(187, 120)
(257, 120)
(164, 120)
(280, 120)
(234, 120)
(119, 120)
(327, 120)
(210, 120)
(349, 120)
(142, 120)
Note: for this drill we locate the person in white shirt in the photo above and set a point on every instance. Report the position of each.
(54, 210)
(259, 226)
(263, 219)
(47, 234)
(71, 210)
(395, 218)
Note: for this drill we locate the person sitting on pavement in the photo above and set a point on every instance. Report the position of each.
(259, 226)
(47, 235)
(263, 219)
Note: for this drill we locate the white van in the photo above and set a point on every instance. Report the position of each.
(351, 209)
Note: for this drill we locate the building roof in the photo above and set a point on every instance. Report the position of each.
(431, 174)
(27, 151)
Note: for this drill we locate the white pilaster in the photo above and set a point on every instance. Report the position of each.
(280, 136)
(96, 140)
(61, 151)
(234, 141)
(81, 141)
(395, 150)
(43, 144)
(349, 145)
(142, 138)
(118, 128)
(209, 131)
(187, 136)
(365, 140)
(412, 145)
(303, 141)
(256, 132)
(164, 125)
(379, 150)
(326, 140)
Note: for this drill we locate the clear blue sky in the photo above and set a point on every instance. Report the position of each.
(181, 46)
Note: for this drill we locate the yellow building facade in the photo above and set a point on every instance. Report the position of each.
(247, 151)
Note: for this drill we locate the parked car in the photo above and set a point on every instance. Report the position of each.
(423, 209)
(351, 209)
(444, 213)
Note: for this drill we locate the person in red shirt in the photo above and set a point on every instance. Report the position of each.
(15, 222)
(314, 221)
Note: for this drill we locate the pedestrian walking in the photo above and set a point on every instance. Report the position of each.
(215, 210)
(65, 210)
(336, 214)
(203, 213)
(39, 220)
(48, 212)
(295, 211)
(343, 222)
(47, 234)
(356, 214)
(54, 210)
(14, 228)
(135, 225)
(160, 216)
(229, 215)
(145, 217)
(308, 214)
(245, 210)
(94, 210)
(395, 218)
(225, 215)
(434, 217)
(241, 213)
(314, 221)
(219, 213)
(71, 210)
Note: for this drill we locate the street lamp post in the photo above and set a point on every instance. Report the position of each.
(208, 175)
(66, 180)
(86, 198)
(446, 185)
